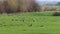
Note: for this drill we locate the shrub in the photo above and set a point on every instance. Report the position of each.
(56, 14)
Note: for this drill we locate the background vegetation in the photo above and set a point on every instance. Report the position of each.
(27, 17)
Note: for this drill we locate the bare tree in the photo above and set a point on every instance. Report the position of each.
(14, 6)
(29, 6)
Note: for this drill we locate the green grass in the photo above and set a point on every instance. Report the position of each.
(30, 23)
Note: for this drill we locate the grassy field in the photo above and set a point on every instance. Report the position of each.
(30, 23)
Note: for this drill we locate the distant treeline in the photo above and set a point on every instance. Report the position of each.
(16, 6)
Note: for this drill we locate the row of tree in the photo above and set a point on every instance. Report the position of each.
(16, 6)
